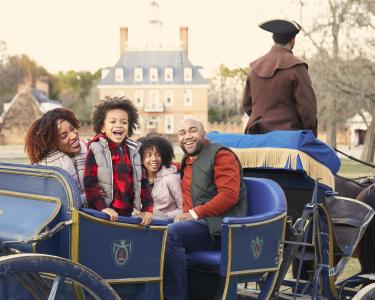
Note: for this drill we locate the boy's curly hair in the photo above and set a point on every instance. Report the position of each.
(110, 103)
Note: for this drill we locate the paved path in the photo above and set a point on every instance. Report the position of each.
(12, 151)
(355, 152)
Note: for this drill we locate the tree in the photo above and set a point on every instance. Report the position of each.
(225, 94)
(14, 70)
(356, 82)
(332, 37)
(78, 90)
(3, 51)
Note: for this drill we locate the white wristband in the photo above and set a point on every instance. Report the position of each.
(193, 214)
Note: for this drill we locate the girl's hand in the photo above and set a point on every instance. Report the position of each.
(113, 215)
(146, 218)
(183, 217)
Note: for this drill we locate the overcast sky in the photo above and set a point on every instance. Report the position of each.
(84, 34)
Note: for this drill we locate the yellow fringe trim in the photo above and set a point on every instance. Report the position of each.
(279, 158)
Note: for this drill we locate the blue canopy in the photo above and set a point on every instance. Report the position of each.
(302, 140)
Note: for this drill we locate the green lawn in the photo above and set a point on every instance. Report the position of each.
(353, 169)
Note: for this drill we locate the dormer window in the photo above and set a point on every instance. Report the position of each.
(168, 74)
(104, 73)
(138, 74)
(119, 75)
(188, 74)
(153, 74)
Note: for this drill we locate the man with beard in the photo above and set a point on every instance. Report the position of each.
(213, 188)
(278, 93)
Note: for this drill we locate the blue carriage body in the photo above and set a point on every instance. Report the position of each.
(33, 200)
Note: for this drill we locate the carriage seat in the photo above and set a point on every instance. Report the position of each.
(251, 243)
(349, 218)
(121, 219)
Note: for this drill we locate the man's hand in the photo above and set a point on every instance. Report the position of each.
(183, 217)
(113, 215)
(146, 218)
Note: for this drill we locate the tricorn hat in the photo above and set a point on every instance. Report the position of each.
(279, 26)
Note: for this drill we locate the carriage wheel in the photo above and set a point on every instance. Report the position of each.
(46, 276)
(367, 293)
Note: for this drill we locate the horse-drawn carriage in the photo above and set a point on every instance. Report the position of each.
(52, 248)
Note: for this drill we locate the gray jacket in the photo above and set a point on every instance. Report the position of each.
(103, 159)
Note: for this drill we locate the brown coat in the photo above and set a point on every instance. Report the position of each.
(278, 94)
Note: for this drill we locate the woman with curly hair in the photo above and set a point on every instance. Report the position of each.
(157, 154)
(53, 140)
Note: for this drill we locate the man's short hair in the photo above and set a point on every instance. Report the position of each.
(282, 39)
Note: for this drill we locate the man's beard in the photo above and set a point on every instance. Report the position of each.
(198, 148)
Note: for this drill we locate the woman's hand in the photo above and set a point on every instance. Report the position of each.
(146, 218)
(113, 215)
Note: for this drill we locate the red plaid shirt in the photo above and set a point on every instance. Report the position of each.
(123, 184)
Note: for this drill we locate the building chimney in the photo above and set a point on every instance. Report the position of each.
(184, 40)
(25, 87)
(123, 39)
(41, 84)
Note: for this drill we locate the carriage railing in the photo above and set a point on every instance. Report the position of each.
(300, 231)
(316, 216)
(46, 234)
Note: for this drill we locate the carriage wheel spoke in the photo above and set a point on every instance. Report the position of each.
(55, 287)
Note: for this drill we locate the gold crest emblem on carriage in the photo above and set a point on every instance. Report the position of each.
(121, 251)
(257, 246)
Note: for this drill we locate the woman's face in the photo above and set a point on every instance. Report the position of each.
(151, 160)
(68, 139)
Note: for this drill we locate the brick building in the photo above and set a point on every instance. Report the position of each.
(163, 83)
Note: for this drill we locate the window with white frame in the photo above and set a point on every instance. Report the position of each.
(168, 124)
(119, 93)
(153, 74)
(188, 74)
(168, 98)
(188, 97)
(138, 97)
(138, 74)
(153, 98)
(119, 74)
(152, 123)
(137, 130)
(168, 74)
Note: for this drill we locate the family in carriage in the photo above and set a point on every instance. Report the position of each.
(238, 208)
(112, 181)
